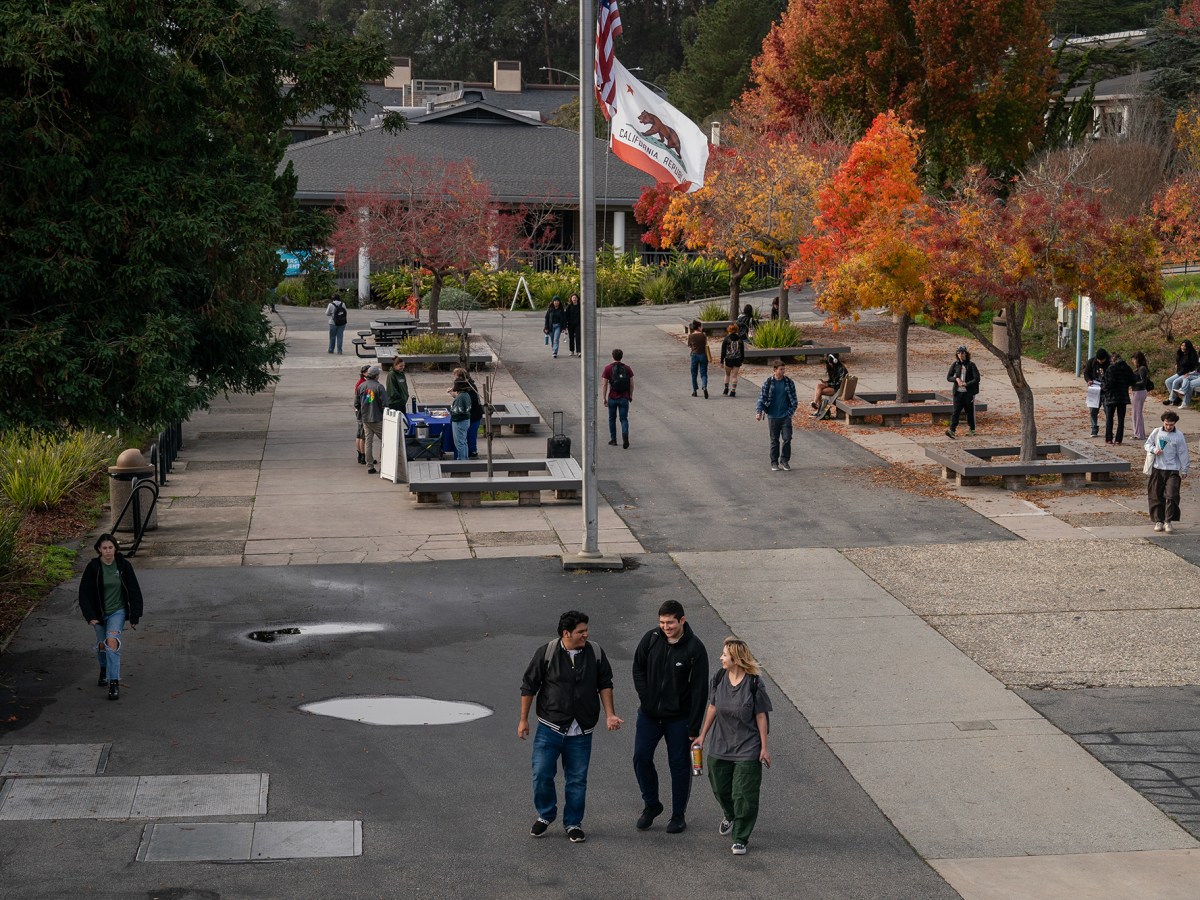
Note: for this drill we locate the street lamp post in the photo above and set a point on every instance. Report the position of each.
(560, 71)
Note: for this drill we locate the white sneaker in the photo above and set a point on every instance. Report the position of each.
(774, 467)
(1158, 526)
(1168, 529)
(739, 849)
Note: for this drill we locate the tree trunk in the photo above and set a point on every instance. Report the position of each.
(1014, 313)
(784, 292)
(735, 287)
(903, 321)
(435, 294)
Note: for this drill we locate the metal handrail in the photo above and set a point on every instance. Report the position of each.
(139, 521)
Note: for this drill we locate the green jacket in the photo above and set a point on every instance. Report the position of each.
(397, 390)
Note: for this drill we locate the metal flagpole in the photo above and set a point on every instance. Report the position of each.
(587, 271)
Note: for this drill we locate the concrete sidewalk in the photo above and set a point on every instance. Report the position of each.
(271, 479)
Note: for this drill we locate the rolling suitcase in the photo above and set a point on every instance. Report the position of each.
(558, 445)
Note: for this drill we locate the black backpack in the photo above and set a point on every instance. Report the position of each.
(736, 349)
(618, 379)
(339, 312)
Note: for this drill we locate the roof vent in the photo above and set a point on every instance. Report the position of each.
(506, 75)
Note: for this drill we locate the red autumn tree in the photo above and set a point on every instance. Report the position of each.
(649, 210)
(1050, 239)
(866, 250)
(973, 75)
(428, 213)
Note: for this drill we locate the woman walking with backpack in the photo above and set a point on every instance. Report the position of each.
(335, 312)
(697, 343)
(733, 350)
(556, 321)
(737, 719)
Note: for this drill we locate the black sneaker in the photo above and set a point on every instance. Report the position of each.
(726, 391)
(950, 433)
(733, 393)
(576, 835)
(726, 827)
(649, 814)
(103, 679)
(783, 464)
(693, 393)
(539, 827)
(706, 393)
(114, 690)
(676, 825)
(613, 442)
(362, 460)
(625, 442)
(371, 471)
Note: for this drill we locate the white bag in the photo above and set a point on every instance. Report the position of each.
(1148, 465)
(1093, 396)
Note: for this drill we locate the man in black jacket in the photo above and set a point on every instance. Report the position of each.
(571, 678)
(670, 672)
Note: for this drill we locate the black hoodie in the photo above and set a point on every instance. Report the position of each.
(672, 679)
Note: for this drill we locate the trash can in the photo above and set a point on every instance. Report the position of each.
(1000, 332)
(131, 467)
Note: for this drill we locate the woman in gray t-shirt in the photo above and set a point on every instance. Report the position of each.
(737, 719)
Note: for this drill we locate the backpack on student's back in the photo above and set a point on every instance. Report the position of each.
(736, 349)
(339, 312)
(618, 379)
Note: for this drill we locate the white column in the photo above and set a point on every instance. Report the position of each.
(364, 269)
(618, 231)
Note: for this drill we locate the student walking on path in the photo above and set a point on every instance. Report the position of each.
(109, 598)
(1118, 379)
(670, 674)
(1168, 446)
(698, 348)
(556, 321)
(738, 722)
(370, 400)
(777, 401)
(964, 375)
(573, 311)
(733, 350)
(1141, 389)
(336, 313)
(571, 679)
(617, 379)
(1093, 374)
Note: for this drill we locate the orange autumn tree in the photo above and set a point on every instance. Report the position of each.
(866, 251)
(1049, 239)
(758, 200)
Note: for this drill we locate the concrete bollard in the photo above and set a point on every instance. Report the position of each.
(131, 466)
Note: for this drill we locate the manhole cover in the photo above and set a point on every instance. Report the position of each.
(398, 710)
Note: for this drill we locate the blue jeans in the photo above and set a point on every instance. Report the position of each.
(1170, 383)
(555, 334)
(460, 438)
(618, 406)
(576, 753)
(781, 439)
(1187, 386)
(699, 365)
(473, 437)
(112, 626)
(679, 758)
(335, 337)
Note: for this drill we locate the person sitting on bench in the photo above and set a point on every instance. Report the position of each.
(835, 373)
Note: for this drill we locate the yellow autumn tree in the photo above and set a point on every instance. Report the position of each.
(757, 202)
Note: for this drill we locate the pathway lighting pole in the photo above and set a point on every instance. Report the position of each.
(587, 273)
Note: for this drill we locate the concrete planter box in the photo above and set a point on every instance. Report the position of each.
(1078, 463)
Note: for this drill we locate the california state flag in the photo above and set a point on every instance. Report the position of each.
(652, 135)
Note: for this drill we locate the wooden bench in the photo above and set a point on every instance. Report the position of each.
(788, 354)
(529, 477)
(1081, 462)
(520, 417)
(937, 405)
(440, 359)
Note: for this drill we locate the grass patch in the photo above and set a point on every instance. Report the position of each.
(38, 471)
(713, 312)
(490, 495)
(428, 345)
(658, 290)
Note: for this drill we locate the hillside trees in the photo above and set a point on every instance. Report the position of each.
(141, 206)
(973, 76)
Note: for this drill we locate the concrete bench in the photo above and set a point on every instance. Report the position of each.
(937, 405)
(1080, 463)
(442, 359)
(788, 354)
(528, 477)
(718, 326)
(520, 417)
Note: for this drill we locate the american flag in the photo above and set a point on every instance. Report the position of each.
(608, 26)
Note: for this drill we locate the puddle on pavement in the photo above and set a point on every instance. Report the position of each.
(269, 636)
(398, 710)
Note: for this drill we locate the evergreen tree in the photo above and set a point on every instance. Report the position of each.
(141, 206)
